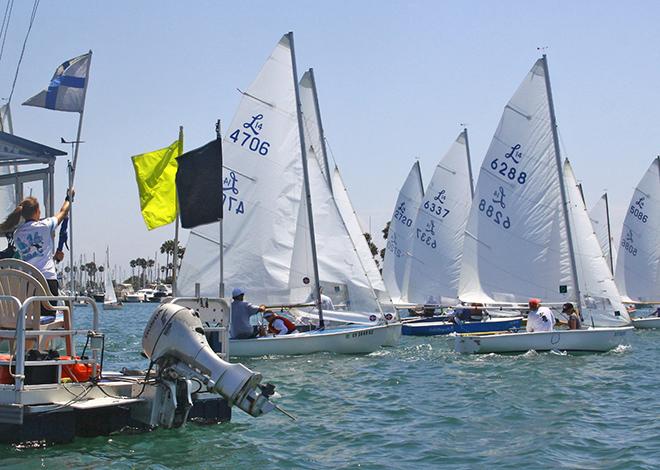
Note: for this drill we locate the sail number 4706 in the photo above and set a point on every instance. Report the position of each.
(250, 142)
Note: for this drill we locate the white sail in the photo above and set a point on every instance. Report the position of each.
(600, 301)
(439, 228)
(396, 266)
(600, 222)
(340, 270)
(515, 242)
(261, 193)
(638, 259)
(313, 131)
(356, 233)
(110, 294)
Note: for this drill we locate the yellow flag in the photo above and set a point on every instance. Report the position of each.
(155, 173)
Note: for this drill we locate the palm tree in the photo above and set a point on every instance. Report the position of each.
(133, 264)
(151, 263)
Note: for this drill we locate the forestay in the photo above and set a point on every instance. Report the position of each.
(345, 261)
(261, 193)
(600, 221)
(600, 301)
(340, 269)
(396, 266)
(439, 228)
(356, 233)
(515, 242)
(638, 259)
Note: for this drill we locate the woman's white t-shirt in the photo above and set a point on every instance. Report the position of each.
(35, 244)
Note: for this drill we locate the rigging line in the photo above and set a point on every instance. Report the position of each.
(5, 25)
(35, 6)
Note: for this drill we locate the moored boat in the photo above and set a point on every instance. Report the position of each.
(433, 326)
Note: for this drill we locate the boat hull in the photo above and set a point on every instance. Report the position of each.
(647, 323)
(432, 328)
(337, 340)
(591, 340)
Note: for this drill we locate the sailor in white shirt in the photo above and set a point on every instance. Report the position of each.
(326, 302)
(539, 318)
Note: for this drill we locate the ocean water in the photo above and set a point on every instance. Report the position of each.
(419, 405)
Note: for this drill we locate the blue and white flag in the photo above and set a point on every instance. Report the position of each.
(66, 91)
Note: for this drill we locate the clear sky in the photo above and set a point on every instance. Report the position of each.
(395, 79)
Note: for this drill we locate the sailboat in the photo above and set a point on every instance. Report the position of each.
(529, 234)
(347, 270)
(400, 237)
(437, 245)
(110, 297)
(266, 189)
(638, 260)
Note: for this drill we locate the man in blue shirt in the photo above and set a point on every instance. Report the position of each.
(241, 311)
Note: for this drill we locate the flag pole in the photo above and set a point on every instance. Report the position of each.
(218, 136)
(175, 254)
(72, 166)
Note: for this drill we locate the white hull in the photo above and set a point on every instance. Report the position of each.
(342, 341)
(646, 323)
(112, 306)
(592, 340)
(133, 298)
(393, 334)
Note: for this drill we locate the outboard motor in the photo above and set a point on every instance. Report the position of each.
(174, 340)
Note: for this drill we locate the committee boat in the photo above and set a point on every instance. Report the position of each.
(529, 234)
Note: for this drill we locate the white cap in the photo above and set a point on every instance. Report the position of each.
(236, 292)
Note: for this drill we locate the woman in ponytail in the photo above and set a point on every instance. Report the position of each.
(35, 237)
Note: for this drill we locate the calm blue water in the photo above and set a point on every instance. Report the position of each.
(418, 405)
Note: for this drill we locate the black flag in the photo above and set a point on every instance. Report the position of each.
(199, 185)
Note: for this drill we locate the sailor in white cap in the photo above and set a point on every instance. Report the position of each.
(241, 311)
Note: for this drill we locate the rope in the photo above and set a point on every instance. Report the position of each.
(5, 25)
(35, 6)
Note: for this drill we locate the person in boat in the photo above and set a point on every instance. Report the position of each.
(428, 309)
(241, 311)
(326, 302)
(539, 318)
(35, 237)
(278, 325)
(574, 320)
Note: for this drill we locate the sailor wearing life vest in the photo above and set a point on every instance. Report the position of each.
(277, 325)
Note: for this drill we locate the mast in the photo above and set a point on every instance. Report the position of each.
(221, 261)
(175, 251)
(609, 233)
(321, 133)
(72, 167)
(469, 161)
(308, 195)
(560, 171)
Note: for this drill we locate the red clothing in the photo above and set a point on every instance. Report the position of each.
(287, 323)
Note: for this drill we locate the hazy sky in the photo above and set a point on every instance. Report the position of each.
(395, 79)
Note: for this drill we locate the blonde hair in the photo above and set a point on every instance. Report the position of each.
(26, 209)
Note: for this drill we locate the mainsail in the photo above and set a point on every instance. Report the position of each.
(600, 301)
(340, 240)
(638, 259)
(515, 243)
(261, 193)
(600, 220)
(439, 227)
(396, 266)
